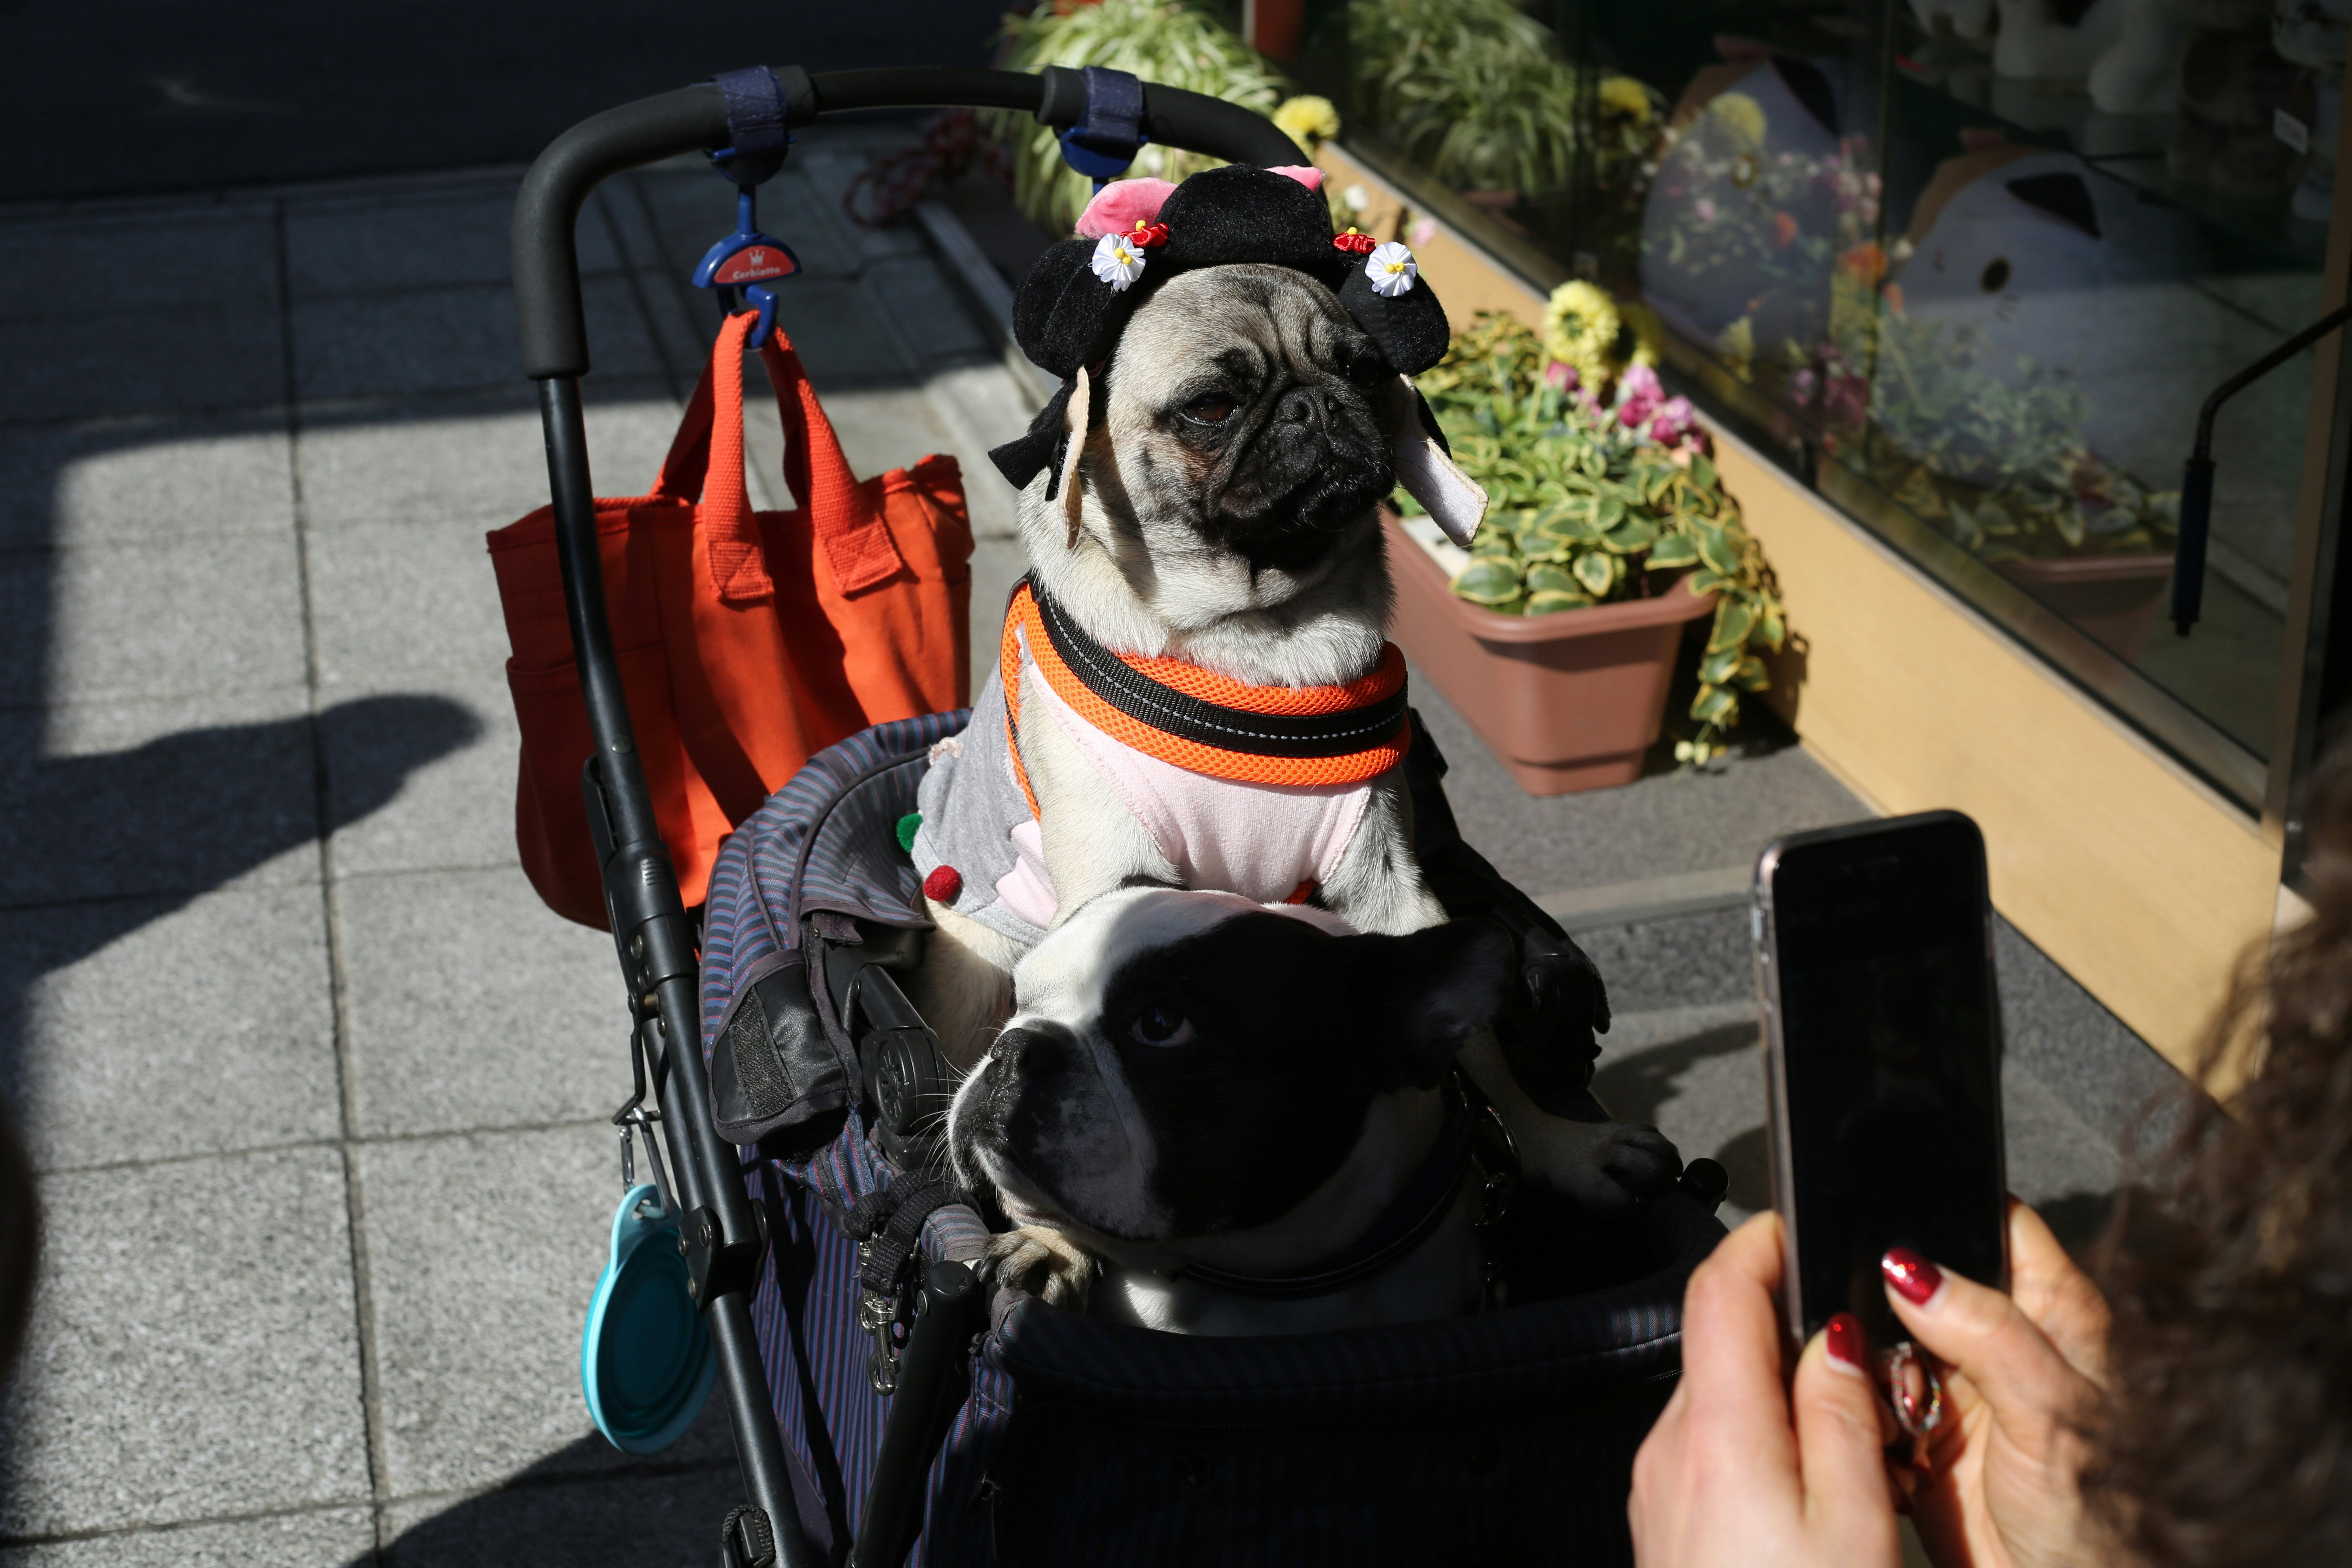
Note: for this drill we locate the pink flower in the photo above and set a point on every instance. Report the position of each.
(1634, 412)
(1119, 206)
(1640, 381)
(1803, 385)
(1561, 376)
(1703, 209)
(1674, 423)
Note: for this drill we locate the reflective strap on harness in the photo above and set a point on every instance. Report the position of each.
(1201, 721)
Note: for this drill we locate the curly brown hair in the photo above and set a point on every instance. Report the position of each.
(2226, 1436)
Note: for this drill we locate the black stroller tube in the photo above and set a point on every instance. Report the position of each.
(646, 909)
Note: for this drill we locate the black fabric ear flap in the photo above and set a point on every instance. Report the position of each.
(1062, 309)
(1421, 997)
(1020, 460)
(1409, 327)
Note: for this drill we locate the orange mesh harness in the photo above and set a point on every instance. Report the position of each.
(1207, 723)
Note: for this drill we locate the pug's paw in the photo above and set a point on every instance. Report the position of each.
(1606, 1166)
(1044, 1263)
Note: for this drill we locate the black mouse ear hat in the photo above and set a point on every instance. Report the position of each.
(1077, 298)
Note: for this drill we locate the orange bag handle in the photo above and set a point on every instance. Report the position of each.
(705, 465)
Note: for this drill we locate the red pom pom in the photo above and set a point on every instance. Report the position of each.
(943, 884)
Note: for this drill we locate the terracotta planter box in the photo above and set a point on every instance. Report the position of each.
(1569, 701)
(2114, 599)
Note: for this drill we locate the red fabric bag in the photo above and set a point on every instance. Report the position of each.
(746, 641)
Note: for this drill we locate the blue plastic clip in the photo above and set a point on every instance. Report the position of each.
(741, 266)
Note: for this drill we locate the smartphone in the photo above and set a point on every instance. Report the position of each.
(1882, 1047)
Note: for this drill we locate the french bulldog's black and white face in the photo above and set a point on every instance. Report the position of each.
(1187, 1064)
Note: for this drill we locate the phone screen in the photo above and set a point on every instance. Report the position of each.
(1887, 1031)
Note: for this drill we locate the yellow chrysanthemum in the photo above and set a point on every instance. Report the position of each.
(1623, 97)
(1740, 115)
(1581, 326)
(1307, 120)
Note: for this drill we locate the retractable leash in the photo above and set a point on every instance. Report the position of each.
(740, 267)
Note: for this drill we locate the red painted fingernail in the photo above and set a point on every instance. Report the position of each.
(1842, 1337)
(1913, 1277)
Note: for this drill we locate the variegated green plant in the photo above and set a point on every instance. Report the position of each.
(1584, 511)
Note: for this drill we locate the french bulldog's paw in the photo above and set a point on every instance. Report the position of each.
(1607, 1166)
(1043, 1263)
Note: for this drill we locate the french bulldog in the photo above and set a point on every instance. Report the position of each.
(1196, 1084)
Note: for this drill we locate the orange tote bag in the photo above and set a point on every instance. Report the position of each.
(746, 641)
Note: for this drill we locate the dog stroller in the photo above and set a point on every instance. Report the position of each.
(880, 1403)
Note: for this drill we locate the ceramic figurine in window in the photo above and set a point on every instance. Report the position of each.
(2040, 272)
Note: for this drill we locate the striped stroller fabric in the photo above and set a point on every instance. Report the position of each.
(1507, 1437)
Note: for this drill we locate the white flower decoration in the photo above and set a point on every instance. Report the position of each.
(1391, 267)
(1118, 261)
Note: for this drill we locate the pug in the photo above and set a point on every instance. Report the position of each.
(1195, 689)
(1238, 1108)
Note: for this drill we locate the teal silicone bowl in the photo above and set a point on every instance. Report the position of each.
(645, 1364)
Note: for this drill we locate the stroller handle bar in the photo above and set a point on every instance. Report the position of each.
(547, 209)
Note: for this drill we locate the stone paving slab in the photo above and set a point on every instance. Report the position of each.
(106, 363)
(172, 617)
(453, 810)
(309, 1540)
(193, 1352)
(153, 1029)
(135, 481)
(487, 466)
(159, 795)
(665, 1520)
(482, 1253)
(470, 1004)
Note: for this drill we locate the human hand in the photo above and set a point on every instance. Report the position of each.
(2021, 1370)
(1726, 1476)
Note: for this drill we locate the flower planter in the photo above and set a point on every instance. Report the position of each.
(2113, 598)
(1567, 702)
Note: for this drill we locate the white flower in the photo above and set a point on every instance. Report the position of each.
(1118, 261)
(1391, 267)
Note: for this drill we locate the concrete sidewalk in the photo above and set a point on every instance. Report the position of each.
(317, 1088)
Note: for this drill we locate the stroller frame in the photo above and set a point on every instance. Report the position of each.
(722, 1233)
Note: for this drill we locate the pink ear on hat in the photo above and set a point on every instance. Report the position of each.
(1119, 206)
(1312, 178)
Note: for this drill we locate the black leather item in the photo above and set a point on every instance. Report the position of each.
(773, 1069)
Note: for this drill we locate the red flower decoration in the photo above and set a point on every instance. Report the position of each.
(1355, 244)
(1148, 237)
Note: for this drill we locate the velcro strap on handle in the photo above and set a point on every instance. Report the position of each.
(758, 131)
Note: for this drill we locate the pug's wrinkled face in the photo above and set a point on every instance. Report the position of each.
(1246, 425)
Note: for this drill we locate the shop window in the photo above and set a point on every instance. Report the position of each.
(1969, 269)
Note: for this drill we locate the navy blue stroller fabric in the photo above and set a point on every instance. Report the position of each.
(1506, 1436)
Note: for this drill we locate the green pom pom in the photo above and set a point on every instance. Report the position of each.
(907, 825)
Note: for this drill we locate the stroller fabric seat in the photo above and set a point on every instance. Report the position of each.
(1503, 1436)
